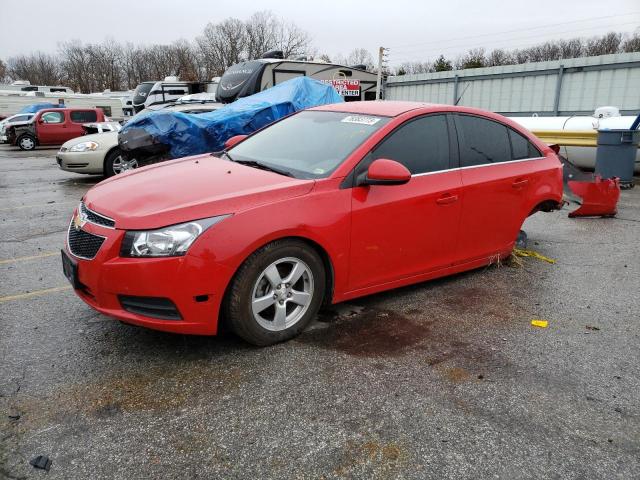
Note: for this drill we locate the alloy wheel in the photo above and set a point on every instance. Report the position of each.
(282, 294)
(120, 164)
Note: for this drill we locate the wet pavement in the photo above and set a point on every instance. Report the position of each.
(445, 379)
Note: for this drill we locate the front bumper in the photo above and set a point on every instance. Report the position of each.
(196, 287)
(81, 162)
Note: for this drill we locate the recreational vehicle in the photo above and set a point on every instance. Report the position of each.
(25, 86)
(169, 90)
(246, 78)
(12, 102)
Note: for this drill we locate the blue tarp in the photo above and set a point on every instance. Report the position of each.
(36, 107)
(190, 134)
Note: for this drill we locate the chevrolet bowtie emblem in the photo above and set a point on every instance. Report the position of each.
(78, 220)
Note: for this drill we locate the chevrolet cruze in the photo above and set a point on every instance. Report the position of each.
(325, 205)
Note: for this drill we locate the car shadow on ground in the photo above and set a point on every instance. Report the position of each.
(366, 325)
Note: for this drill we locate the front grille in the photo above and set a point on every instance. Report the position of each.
(95, 217)
(83, 244)
(155, 307)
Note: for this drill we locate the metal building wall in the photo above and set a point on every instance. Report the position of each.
(574, 86)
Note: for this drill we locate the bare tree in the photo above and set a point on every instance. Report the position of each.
(222, 45)
(261, 33)
(291, 39)
(39, 68)
(571, 48)
(410, 68)
(632, 43)
(3, 71)
(474, 58)
(360, 56)
(499, 57)
(606, 44)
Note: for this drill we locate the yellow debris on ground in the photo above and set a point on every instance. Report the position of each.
(540, 323)
(530, 253)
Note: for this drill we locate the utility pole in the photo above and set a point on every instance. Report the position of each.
(382, 60)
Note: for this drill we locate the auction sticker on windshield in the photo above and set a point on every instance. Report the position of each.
(361, 119)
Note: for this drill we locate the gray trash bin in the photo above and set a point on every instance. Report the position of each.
(616, 154)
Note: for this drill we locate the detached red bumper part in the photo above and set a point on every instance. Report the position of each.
(599, 197)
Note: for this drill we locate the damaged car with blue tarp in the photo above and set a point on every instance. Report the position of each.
(156, 136)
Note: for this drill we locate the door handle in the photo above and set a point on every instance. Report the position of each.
(519, 183)
(447, 199)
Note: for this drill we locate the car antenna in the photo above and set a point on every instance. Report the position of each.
(462, 94)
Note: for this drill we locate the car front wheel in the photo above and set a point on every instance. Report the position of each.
(27, 142)
(275, 293)
(115, 162)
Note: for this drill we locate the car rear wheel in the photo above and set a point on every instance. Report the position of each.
(115, 163)
(27, 142)
(276, 293)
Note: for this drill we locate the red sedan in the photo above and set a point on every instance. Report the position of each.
(328, 204)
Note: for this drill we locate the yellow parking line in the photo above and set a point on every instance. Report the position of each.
(37, 205)
(31, 257)
(22, 296)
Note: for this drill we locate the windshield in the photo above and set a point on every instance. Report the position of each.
(141, 92)
(310, 144)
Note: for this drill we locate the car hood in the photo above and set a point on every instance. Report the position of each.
(188, 189)
(105, 140)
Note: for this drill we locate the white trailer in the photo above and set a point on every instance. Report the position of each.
(246, 78)
(11, 102)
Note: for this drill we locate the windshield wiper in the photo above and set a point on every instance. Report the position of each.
(226, 154)
(262, 166)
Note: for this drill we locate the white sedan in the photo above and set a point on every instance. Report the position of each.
(99, 153)
(96, 153)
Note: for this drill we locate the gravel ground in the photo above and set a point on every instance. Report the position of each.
(446, 379)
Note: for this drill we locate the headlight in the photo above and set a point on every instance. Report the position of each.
(84, 147)
(170, 241)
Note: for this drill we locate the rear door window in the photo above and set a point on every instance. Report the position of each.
(521, 147)
(84, 116)
(421, 145)
(52, 117)
(482, 141)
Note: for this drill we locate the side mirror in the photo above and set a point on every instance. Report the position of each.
(233, 141)
(386, 172)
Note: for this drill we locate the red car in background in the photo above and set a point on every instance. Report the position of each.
(52, 127)
(325, 205)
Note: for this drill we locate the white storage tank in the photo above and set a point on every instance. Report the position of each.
(602, 118)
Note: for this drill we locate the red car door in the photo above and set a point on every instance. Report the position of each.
(495, 187)
(404, 230)
(51, 127)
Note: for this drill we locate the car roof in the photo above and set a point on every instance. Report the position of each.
(387, 108)
(378, 107)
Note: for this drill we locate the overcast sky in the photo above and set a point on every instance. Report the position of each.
(414, 30)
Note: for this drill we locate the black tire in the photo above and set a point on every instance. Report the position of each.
(109, 160)
(26, 142)
(236, 309)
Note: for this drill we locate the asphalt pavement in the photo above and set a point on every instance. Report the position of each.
(445, 379)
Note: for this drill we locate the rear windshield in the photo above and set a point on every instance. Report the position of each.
(309, 144)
